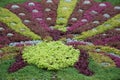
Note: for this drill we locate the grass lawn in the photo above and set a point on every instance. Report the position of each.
(33, 73)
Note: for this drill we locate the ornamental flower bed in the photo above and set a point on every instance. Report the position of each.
(79, 10)
(31, 23)
(92, 24)
(90, 14)
(49, 11)
(36, 11)
(110, 24)
(63, 13)
(60, 40)
(101, 18)
(110, 38)
(7, 35)
(12, 23)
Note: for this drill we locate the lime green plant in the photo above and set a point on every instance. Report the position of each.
(65, 9)
(52, 55)
(16, 24)
(110, 50)
(105, 49)
(110, 24)
(9, 49)
(102, 59)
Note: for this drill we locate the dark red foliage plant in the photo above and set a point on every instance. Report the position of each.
(82, 64)
(18, 64)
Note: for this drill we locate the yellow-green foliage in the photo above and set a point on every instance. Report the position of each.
(87, 47)
(64, 11)
(9, 49)
(8, 52)
(110, 24)
(110, 50)
(15, 23)
(100, 58)
(8, 56)
(105, 49)
(52, 55)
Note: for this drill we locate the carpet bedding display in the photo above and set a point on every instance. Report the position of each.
(29, 21)
(59, 40)
(8, 35)
(49, 11)
(90, 14)
(111, 38)
(79, 10)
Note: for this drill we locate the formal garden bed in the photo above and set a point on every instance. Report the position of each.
(59, 40)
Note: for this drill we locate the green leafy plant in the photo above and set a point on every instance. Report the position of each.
(52, 55)
(8, 52)
(63, 13)
(110, 50)
(102, 59)
(10, 49)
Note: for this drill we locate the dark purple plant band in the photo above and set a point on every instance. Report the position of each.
(36, 11)
(114, 57)
(115, 44)
(18, 64)
(107, 40)
(110, 38)
(82, 65)
(108, 34)
(112, 41)
(49, 11)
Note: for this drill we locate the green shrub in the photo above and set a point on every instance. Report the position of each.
(52, 55)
